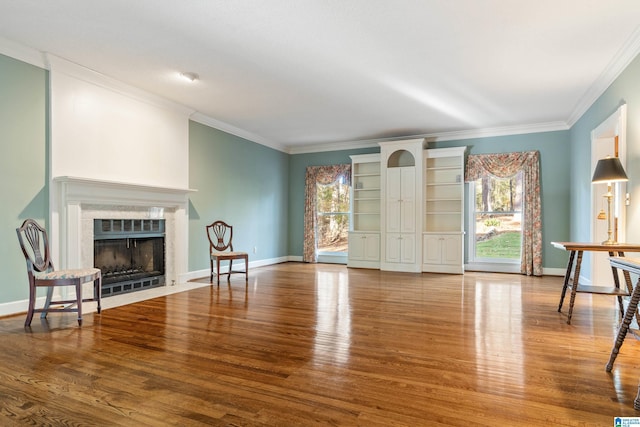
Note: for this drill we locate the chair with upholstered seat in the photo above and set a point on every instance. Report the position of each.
(220, 235)
(41, 272)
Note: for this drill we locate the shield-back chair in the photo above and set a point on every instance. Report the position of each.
(220, 235)
(35, 247)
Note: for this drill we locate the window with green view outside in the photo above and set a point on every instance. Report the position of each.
(497, 215)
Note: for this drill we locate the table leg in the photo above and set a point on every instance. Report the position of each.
(627, 278)
(574, 286)
(629, 283)
(566, 279)
(624, 326)
(616, 281)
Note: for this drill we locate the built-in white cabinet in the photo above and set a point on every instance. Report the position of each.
(443, 233)
(407, 208)
(364, 250)
(364, 234)
(442, 253)
(401, 177)
(400, 249)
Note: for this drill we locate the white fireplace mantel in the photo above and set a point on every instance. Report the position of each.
(95, 191)
(72, 195)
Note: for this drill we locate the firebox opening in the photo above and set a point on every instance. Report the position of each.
(130, 254)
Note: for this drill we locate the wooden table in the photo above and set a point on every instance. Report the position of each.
(628, 265)
(575, 261)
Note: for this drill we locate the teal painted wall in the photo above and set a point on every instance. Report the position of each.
(242, 183)
(24, 188)
(297, 168)
(555, 187)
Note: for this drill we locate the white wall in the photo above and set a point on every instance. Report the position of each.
(104, 130)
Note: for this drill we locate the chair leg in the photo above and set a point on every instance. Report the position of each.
(32, 302)
(218, 269)
(47, 302)
(79, 302)
(246, 269)
(97, 292)
(211, 275)
(230, 268)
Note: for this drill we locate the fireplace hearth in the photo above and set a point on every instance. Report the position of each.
(130, 253)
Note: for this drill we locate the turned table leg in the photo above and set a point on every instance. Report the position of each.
(624, 326)
(574, 286)
(566, 279)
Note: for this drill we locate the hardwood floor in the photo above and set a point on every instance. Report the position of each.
(326, 345)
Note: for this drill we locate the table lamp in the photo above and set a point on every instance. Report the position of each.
(609, 170)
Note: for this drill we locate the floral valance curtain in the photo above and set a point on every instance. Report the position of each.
(318, 175)
(505, 165)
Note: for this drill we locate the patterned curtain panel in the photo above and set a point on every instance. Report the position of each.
(318, 175)
(506, 165)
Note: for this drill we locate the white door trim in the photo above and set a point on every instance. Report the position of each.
(602, 144)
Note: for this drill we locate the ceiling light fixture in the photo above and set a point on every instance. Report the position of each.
(189, 76)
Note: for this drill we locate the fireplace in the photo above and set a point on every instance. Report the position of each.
(130, 253)
(77, 202)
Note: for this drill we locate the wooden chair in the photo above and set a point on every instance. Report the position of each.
(35, 247)
(220, 235)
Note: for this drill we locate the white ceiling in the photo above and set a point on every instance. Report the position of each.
(307, 75)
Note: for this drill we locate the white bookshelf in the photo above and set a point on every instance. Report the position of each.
(443, 222)
(364, 234)
(365, 183)
(443, 194)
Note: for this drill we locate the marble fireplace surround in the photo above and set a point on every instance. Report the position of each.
(76, 202)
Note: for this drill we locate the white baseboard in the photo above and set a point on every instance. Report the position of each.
(16, 307)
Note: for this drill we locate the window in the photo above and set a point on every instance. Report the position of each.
(525, 168)
(338, 178)
(496, 215)
(332, 207)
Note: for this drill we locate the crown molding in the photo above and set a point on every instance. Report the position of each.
(433, 137)
(336, 146)
(226, 127)
(60, 65)
(618, 64)
(22, 53)
(498, 131)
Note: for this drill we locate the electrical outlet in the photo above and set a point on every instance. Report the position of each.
(255, 249)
